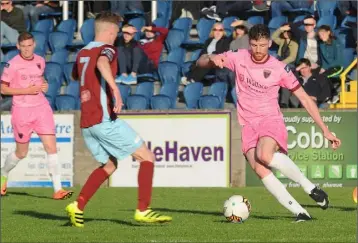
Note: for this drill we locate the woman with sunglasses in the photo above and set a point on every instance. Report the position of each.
(287, 47)
(217, 43)
(240, 39)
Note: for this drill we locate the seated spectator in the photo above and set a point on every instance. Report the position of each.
(240, 39)
(308, 43)
(347, 8)
(120, 7)
(129, 55)
(287, 51)
(217, 43)
(12, 23)
(331, 51)
(317, 86)
(149, 50)
(278, 7)
(32, 11)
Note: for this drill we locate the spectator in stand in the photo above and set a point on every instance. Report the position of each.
(316, 85)
(287, 50)
(347, 8)
(120, 7)
(223, 8)
(278, 7)
(308, 43)
(12, 23)
(150, 50)
(217, 43)
(331, 51)
(128, 55)
(240, 39)
(32, 11)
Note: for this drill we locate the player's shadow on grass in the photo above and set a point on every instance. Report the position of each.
(340, 208)
(215, 213)
(48, 216)
(26, 194)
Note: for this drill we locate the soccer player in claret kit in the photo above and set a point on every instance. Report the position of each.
(258, 79)
(109, 139)
(23, 79)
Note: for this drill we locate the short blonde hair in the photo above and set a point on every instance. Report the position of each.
(107, 17)
(211, 35)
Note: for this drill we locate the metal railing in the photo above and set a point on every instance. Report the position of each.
(343, 78)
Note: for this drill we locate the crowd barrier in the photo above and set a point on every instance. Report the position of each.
(192, 149)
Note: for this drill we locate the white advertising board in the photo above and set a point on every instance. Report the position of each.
(191, 150)
(32, 171)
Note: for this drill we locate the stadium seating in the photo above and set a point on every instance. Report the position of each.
(67, 72)
(138, 23)
(227, 24)
(69, 27)
(174, 39)
(73, 89)
(177, 56)
(53, 90)
(348, 19)
(2, 65)
(87, 34)
(160, 102)
(348, 54)
(44, 26)
(168, 90)
(277, 22)
(233, 95)
(331, 21)
(65, 103)
(209, 102)
(41, 43)
(255, 20)
(51, 101)
(219, 89)
(53, 73)
(169, 72)
(58, 41)
(183, 24)
(145, 89)
(125, 91)
(60, 57)
(192, 93)
(326, 8)
(10, 55)
(137, 102)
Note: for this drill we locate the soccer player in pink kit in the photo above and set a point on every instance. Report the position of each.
(23, 78)
(259, 77)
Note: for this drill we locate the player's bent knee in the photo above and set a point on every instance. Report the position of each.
(21, 154)
(264, 156)
(143, 154)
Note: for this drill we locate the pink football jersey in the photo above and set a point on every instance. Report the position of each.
(21, 73)
(257, 85)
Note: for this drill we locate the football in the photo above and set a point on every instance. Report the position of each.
(237, 209)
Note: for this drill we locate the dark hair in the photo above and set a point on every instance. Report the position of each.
(305, 61)
(109, 17)
(24, 36)
(259, 31)
(327, 28)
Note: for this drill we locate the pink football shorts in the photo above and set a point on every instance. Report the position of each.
(274, 128)
(26, 120)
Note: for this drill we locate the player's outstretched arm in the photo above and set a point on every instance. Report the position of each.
(31, 90)
(312, 109)
(210, 61)
(104, 68)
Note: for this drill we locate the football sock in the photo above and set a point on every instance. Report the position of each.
(279, 191)
(10, 162)
(92, 184)
(288, 168)
(145, 181)
(54, 169)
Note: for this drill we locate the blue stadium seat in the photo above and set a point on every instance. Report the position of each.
(67, 72)
(170, 90)
(203, 27)
(233, 95)
(300, 18)
(177, 56)
(192, 93)
(125, 91)
(73, 88)
(28, 25)
(137, 102)
(2, 66)
(326, 8)
(10, 55)
(87, 33)
(219, 89)
(277, 22)
(45, 26)
(195, 55)
(348, 54)
(53, 89)
(41, 43)
(183, 24)
(53, 73)
(133, 14)
(68, 26)
(255, 20)
(58, 41)
(209, 102)
(174, 39)
(65, 103)
(169, 72)
(348, 19)
(227, 23)
(60, 57)
(331, 21)
(160, 22)
(138, 23)
(164, 10)
(161, 102)
(145, 89)
(51, 101)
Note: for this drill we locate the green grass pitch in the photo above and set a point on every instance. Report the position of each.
(29, 215)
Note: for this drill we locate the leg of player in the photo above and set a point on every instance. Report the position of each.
(94, 181)
(276, 188)
(11, 161)
(145, 183)
(54, 167)
(288, 168)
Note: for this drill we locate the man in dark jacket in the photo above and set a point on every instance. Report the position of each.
(12, 22)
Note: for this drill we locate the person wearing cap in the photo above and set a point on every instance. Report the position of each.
(240, 39)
